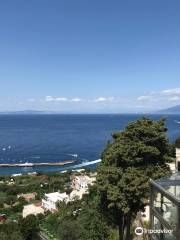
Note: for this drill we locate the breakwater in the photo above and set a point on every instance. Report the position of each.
(27, 164)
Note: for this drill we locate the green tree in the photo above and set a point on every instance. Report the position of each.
(93, 224)
(52, 222)
(177, 142)
(69, 230)
(10, 231)
(29, 227)
(10, 200)
(135, 155)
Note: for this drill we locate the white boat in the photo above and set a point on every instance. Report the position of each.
(74, 155)
(177, 121)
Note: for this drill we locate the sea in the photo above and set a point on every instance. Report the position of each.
(55, 138)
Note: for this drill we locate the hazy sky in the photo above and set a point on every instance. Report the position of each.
(89, 55)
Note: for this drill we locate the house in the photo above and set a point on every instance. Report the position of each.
(28, 196)
(178, 159)
(77, 194)
(82, 182)
(80, 185)
(51, 199)
(32, 209)
(172, 167)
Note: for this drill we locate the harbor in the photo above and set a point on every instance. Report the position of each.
(27, 164)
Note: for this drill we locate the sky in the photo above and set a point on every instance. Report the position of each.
(89, 56)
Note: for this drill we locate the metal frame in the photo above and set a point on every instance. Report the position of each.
(155, 185)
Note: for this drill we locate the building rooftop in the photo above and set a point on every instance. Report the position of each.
(56, 196)
(32, 209)
(27, 196)
(78, 193)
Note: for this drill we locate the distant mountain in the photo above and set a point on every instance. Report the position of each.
(27, 112)
(171, 110)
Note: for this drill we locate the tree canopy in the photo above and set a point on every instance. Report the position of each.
(29, 227)
(135, 155)
(177, 142)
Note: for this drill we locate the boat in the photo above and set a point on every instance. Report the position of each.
(177, 121)
(74, 155)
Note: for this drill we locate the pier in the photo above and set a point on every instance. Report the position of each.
(27, 164)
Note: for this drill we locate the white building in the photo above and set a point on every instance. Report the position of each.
(82, 182)
(178, 159)
(77, 194)
(32, 209)
(80, 185)
(50, 200)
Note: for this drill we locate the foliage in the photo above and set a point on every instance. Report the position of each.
(26, 229)
(10, 187)
(10, 231)
(29, 227)
(135, 155)
(94, 225)
(80, 219)
(177, 142)
(69, 230)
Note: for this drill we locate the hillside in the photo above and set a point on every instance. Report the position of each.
(172, 110)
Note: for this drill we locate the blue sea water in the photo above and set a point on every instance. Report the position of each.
(55, 138)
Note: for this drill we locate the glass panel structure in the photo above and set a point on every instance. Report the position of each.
(169, 211)
(165, 207)
(157, 226)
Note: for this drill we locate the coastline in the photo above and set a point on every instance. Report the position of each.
(63, 166)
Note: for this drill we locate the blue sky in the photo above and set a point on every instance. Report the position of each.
(89, 56)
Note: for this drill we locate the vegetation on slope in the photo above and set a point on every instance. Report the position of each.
(135, 155)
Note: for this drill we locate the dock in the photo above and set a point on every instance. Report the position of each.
(27, 164)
